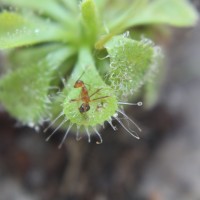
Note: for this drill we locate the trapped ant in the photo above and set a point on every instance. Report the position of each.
(84, 96)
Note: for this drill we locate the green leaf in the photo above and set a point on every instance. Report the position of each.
(101, 109)
(90, 19)
(51, 8)
(131, 64)
(145, 12)
(118, 20)
(24, 93)
(171, 12)
(15, 31)
(124, 13)
(54, 54)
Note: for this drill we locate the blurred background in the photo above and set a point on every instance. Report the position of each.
(163, 165)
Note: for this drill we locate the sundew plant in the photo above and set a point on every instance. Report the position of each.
(76, 63)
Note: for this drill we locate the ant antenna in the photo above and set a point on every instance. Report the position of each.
(83, 72)
(81, 75)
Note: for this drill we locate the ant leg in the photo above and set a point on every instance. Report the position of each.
(99, 98)
(73, 100)
(77, 99)
(83, 72)
(96, 92)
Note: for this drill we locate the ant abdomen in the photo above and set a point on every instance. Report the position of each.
(84, 107)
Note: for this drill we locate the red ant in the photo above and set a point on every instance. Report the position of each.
(84, 96)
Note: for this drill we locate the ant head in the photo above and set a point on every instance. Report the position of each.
(84, 107)
(78, 84)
